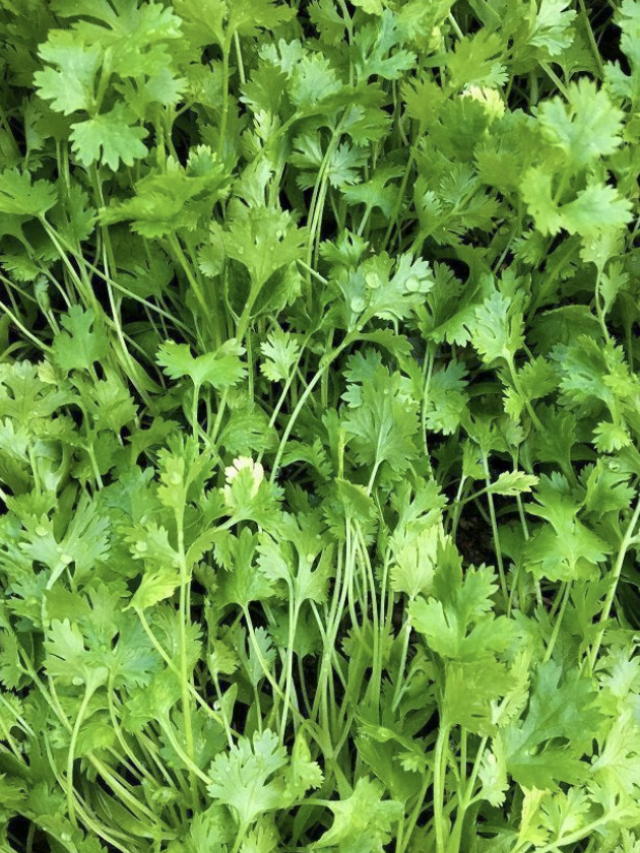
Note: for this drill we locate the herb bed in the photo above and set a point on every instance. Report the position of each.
(319, 426)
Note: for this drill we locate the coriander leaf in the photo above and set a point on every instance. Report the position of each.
(619, 83)
(281, 352)
(304, 773)
(371, 7)
(381, 421)
(375, 49)
(19, 196)
(476, 61)
(548, 745)
(497, 329)
(263, 240)
(363, 822)
(242, 778)
(565, 547)
(134, 35)
(312, 80)
(109, 138)
(247, 495)
(70, 86)
(493, 775)
(459, 624)
(617, 763)
(537, 192)
(595, 209)
(83, 342)
(240, 582)
(179, 198)
(161, 562)
(220, 369)
(551, 28)
(414, 565)
(586, 128)
(446, 398)
(67, 658)
(471, 691)
(512, 483)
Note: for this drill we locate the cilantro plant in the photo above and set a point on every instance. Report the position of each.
(319, 426)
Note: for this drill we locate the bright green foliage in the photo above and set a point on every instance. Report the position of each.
(319, 426)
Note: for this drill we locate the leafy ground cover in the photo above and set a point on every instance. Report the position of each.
(319, 426)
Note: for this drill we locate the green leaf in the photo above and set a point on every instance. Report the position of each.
(378, 51)
(513, 483)
(446, 398)
(552, 27)
(134, 35)
(616, 766)
(240, 582)
(363, 822)
(281, 352)
(242, 778)
(493, 775)
(313, 80)
(21, 197)
(471, 692)
(247, 495)
(619, 83)
(537, 192)
(459, 624)
(109, 138)
(83, 342)
(548, 745)
(220, 369)
(415, 561)
(381, 421)
(67, 658)
(585, 128)
(497, 329)
(305, 773)
(477, 61)
(565, 547)
(179, 198)
(263, 240)
(371, 7)
(69, 85)
(161, 562)
(598, 208)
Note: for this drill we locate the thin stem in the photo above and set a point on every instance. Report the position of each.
(439, 774)
(595, 50)
(558, 622)
(397, 693)
(172, 666)
(427, 373)
(617, 572)
(226, 47)
(405, 840)
(328, 360)
(71, 754)
(495, 532)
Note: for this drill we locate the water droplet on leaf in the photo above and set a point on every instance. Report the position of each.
(373, 280)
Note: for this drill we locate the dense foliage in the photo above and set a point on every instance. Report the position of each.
(319, 426)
